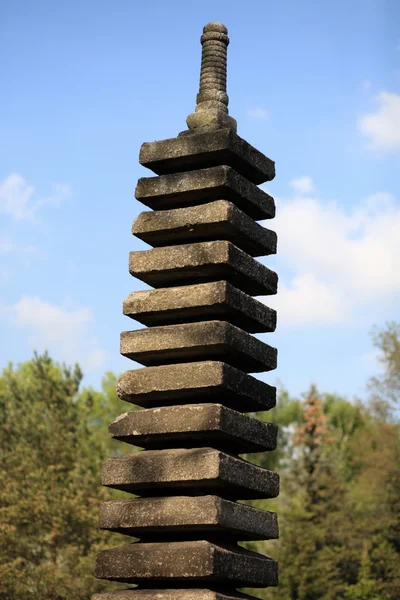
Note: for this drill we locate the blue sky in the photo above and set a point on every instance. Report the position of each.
(313, 85)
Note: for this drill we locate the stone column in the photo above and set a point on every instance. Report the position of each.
(198, 353)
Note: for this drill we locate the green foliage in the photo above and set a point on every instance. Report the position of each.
(339, 507)
(386, 388)
(50, 457)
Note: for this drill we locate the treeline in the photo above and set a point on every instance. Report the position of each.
(339, 507)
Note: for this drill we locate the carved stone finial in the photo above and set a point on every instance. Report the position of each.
(212, 100)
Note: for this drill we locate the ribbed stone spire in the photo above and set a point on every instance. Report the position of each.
(212, 100)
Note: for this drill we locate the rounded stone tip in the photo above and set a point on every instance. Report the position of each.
(215, 26)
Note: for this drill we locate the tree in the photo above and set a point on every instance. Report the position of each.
(339, 507)
(386, 388)
(374, 502)
(313, 499)
(51, 452)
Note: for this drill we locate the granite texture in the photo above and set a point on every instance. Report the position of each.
(207, 340)
(191, 383)
(186, 562)
(188, 518)
(199, 263)
(199, 187)
(171, 594)
(205, 150)
(195, 425)
(203, 302)
(198, 471)
(198, 351)
(219, 220)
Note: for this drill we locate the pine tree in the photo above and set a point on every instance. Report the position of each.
(311, 512)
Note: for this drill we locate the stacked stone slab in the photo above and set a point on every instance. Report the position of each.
(197, 351)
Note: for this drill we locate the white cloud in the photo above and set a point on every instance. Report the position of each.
(382, 127)
(307, 301)
(20, 200)
(302, 185)
(341, 261)
(258, 113)
(61, 330)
